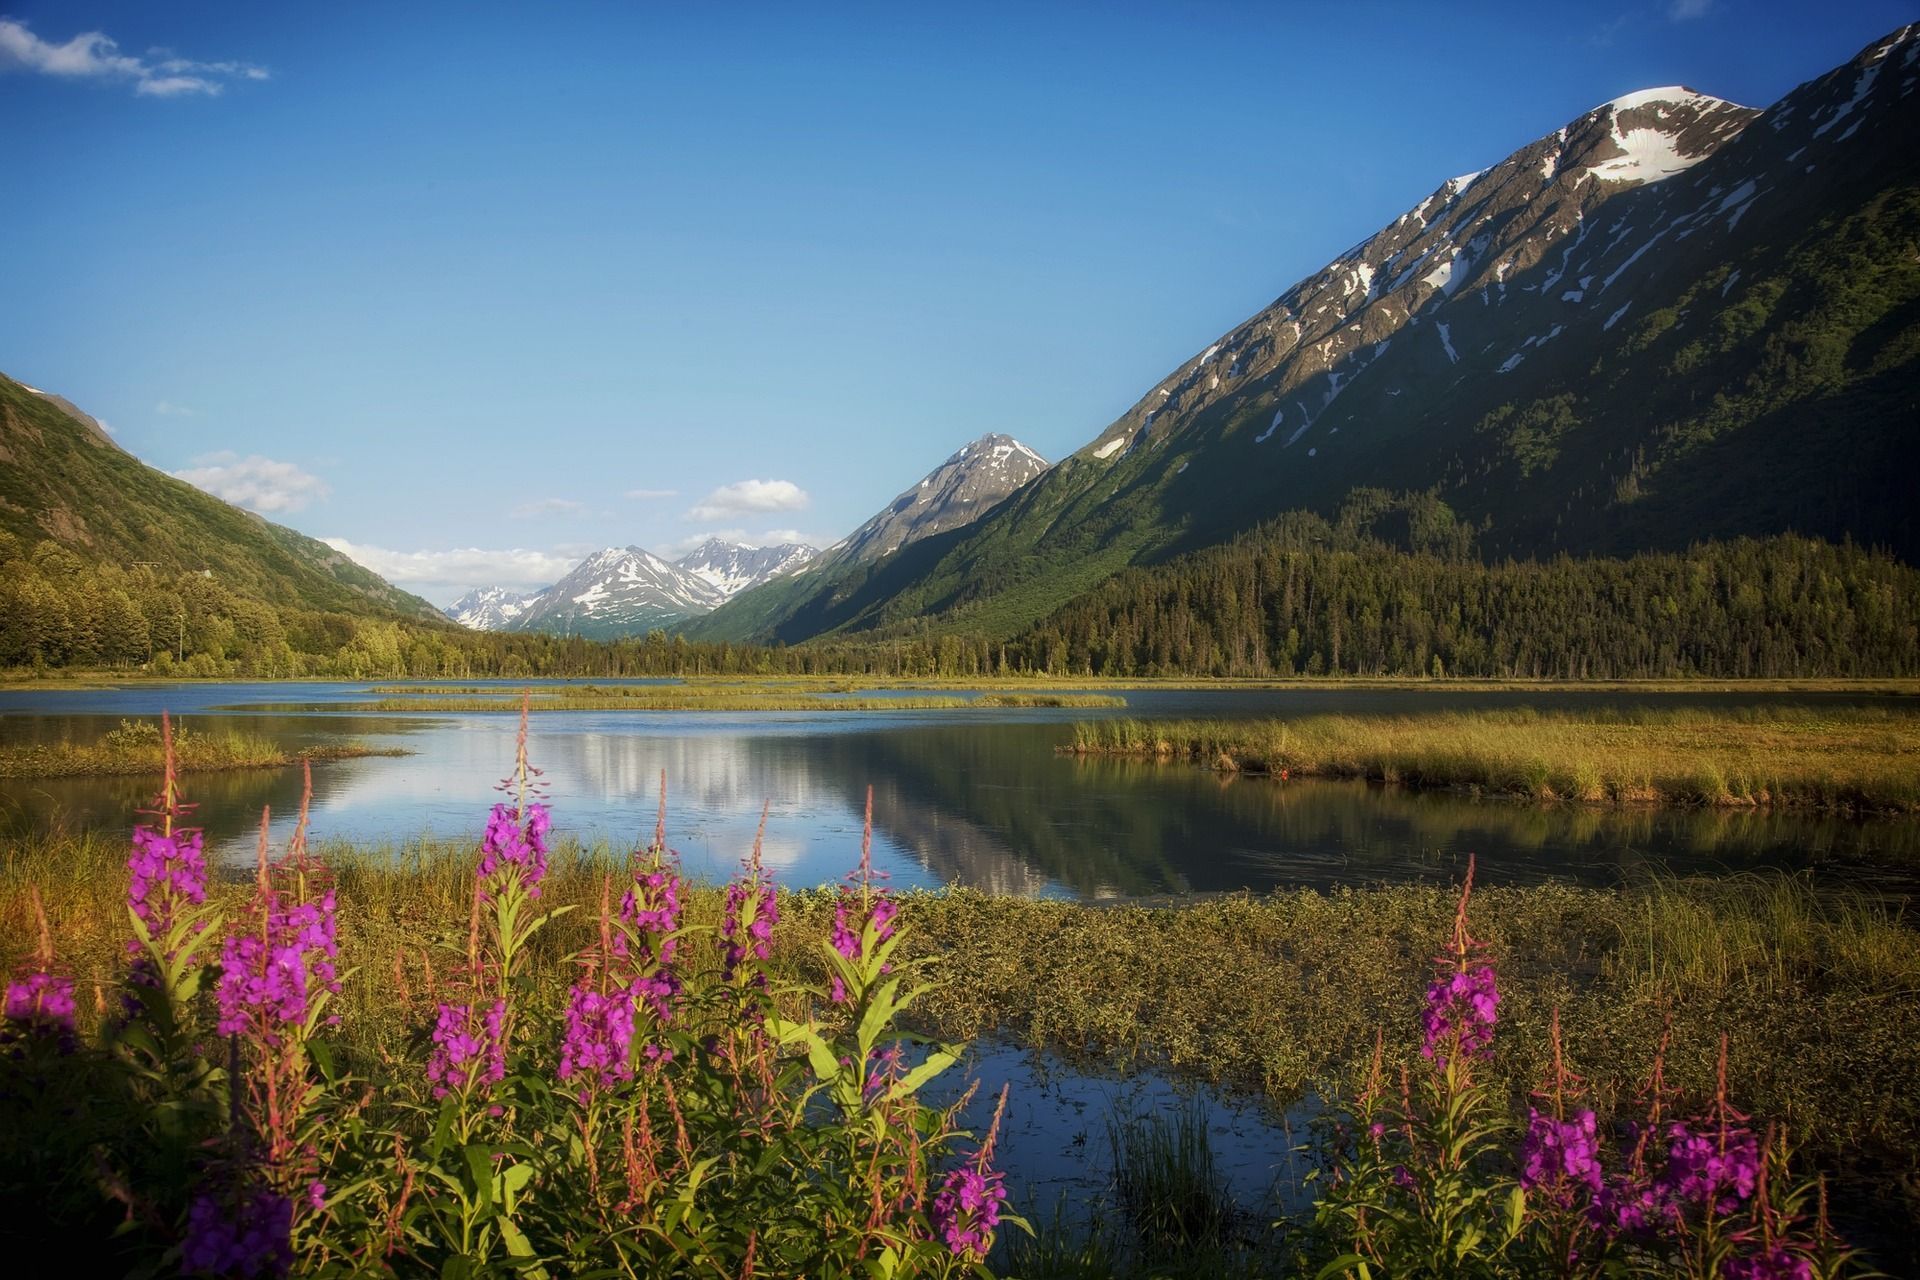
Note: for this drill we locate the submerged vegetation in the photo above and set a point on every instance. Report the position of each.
(135, 748)
(1834, 759)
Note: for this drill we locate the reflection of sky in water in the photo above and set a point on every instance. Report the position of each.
(1055, 1146)
(973, 797)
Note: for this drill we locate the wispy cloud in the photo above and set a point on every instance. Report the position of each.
(168, 409)
(457, 570)
(647, 494)
(548, 507)
(1688, 10)
(257, 483)
(93, 55)
(747, 497)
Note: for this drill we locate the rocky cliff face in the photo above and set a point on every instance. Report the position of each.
(957, 492)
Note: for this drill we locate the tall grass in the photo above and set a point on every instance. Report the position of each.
(1844, 760)
(134, 747)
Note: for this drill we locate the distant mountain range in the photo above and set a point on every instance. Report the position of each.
(1671, 319)
(623, 591)
(952, 496)
(629, 590)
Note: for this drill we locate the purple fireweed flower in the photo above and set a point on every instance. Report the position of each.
(849, 928)
(966, 1210)
(1778, 1261)
(274, 973)
(1560, 1154)
(316, 1195)
(1628, 1205)
(598, 1039)
(251, 1236)
(165, 873)
(758, 907)
(509, 844)
(39, 1006)
(1717, 1171)
(650, 912)
(469, 1048)
(1462, 1004)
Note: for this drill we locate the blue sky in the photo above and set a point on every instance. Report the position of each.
(480, 288)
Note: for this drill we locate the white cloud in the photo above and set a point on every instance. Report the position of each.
(168, 409)
(548, 507)
(1687, 10)
(745, 497)
(454, 572)
(257, 483)
(645, 494)
(93, 55)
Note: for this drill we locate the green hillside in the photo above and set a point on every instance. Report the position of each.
(68, 482)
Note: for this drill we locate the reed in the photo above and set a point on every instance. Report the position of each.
(1851, 760)
(134, 748)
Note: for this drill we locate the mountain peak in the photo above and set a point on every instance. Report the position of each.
(728, 568)
(960, 490)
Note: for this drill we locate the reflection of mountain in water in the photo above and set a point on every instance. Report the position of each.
(815, 784)
(960, 800)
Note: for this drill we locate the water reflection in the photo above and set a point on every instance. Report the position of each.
(969, 797)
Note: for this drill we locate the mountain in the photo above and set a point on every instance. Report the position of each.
(490, 608)
(730, 568)
(66, 481)
(958, 491)
(616, 592)
(627, 590)
(1672, 319)
(951, 496)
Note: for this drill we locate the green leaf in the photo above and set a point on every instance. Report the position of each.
(517, 1243)
(1516, 1210)
(937, 1061)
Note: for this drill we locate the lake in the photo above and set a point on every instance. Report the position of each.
(974, 797)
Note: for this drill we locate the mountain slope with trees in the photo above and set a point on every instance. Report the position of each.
(1673, 319)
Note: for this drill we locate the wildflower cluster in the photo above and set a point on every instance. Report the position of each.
(469, 1047)
(1428, 1178)
(598, 1035)
(165, 872)
(248, 1234)
(516, 843)
(269, 978)
(750, 912)
(965, 1213)
(1560, 1153)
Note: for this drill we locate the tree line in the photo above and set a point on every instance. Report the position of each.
(1298, 597)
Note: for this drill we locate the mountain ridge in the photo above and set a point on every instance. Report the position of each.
(1499, 343)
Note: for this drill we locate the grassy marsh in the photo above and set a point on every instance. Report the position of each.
(1833, 759)
(1278, 994)
(710, 697)
(135, 748)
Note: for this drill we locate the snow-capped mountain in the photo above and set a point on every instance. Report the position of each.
(615, 592)
(1439, 277)
(730, 568)
(956, 492)
(1672, 318)
(490, 608)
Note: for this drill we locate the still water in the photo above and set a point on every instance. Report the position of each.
(972, 797)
